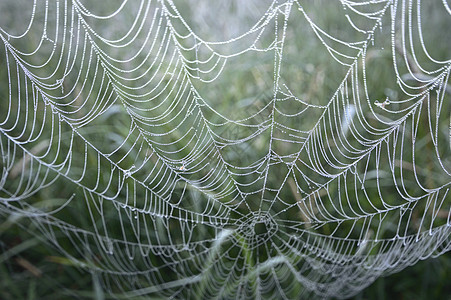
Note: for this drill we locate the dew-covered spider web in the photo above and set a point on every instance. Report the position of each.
(229, 149)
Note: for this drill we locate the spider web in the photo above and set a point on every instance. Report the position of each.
(248, 149)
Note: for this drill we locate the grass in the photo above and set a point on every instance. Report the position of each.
(50, 276)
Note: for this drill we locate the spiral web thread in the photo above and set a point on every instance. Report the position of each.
(229, 150)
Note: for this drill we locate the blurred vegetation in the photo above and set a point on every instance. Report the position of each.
(30, 269)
